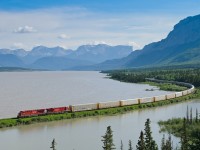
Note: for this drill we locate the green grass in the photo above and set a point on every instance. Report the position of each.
(167, 86)
(175, 125)
(10, 122)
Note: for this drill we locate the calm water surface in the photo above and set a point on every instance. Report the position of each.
(31, 90)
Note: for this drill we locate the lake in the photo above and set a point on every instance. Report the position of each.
(32, 90)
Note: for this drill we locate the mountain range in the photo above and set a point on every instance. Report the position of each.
(58, 58)
(180, 47)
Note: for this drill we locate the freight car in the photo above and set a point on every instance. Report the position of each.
(82, 107)
(129, 102)
(146, 100)
(160, 98)
(179, 94)
(102, 105)
(170, 96)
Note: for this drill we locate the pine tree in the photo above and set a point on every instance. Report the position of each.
(195, 141)
(184, 137)
(166, 144)
(108, 139)
(150, 144)
(163, 143)
(141, 144)
(191, 116)
(53, 143)
(169, 144)
(130, 145)
(187, 115)
(122, 146)
(197, 117)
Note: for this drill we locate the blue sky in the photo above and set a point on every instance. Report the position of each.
(71, 23)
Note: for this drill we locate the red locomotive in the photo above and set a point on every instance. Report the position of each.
(39, 112)
(28, 113)
(57, 110)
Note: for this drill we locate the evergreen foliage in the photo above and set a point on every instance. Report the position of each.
(166, 144)
(136, 76)
(121, 146)
(141, 142)
(53, 145)
(184, 136)
(190, 115)
(150, 144)
(187, 115)
(197, 117)
(163, 142)
(130, 145)
(108, 139)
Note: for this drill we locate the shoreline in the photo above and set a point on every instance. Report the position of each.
(11, 122)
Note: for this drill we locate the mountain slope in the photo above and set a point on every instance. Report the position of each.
(10, 60)
(58, 63)
(17, 52)
(42, 51)
(101, 52)
(172, 50)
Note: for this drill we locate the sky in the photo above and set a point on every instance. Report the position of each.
(71, 23)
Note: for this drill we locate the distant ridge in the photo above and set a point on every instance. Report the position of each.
(58, 58)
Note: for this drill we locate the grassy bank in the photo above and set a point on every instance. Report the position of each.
(187, 129)
(110, 111)
(167, 86)
(174, 125)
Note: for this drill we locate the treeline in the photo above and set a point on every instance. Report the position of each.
(135, 76)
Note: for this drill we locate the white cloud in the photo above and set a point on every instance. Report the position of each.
(99, 42)
(63, 36)
(135, 45)
(18, 46)
(25, 29)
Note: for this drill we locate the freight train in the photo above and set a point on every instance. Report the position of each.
(103, 105)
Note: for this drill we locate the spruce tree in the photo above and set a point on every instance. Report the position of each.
(191, 116)
(122, 146)
(197, 117)
(187, 115)
(141, 143)
(195, 141)
(150, 144)
(130, 145)
(53, 143)
(184, 137)
(168, 144)
(108, 139)
(163, 143)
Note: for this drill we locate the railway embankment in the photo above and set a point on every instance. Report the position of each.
(109, 108)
